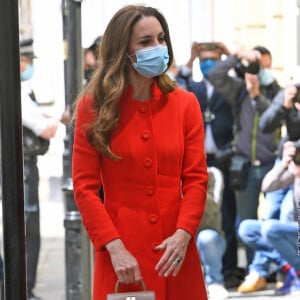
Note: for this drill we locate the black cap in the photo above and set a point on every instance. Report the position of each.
(26, 48)
(95, 44)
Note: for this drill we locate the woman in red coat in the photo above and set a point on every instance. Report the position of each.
(141, 138)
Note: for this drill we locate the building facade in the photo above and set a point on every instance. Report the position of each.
(240, 24)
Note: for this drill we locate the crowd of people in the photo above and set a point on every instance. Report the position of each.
(189, 170)
(249, 120)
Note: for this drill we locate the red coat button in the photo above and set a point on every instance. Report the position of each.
(153, 218)
(146, 135)
(150, 191)
(143, 108)
(148, 162)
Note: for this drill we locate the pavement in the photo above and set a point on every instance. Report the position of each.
(51, 270)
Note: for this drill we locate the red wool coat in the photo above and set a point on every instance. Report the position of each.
(159, 185)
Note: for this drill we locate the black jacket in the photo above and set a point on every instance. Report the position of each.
(222, 124)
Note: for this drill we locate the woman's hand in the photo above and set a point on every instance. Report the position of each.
(125, 265)
(175, 248)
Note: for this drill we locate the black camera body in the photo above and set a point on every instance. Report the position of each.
(297, 97)
(244, 66)
(296, 157)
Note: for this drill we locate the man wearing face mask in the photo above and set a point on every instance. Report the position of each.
(45, 127)
(218, 119)
(249, 95)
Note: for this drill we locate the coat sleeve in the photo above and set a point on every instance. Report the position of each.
(227, 86)
(86, 164)
(274, 116)
(194, 170)
(277, 178)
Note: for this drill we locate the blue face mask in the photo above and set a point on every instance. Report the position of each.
(206, 65)
(265, 76)
(151, 62)
(28, 73)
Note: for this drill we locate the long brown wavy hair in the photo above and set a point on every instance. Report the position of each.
(110, 79)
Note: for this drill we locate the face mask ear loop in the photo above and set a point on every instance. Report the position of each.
(131, 60)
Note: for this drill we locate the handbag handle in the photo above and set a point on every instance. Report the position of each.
(118, 285)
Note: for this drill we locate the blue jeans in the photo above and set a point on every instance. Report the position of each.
(279, 205)
(283, 238)
(211, 247)
(250, 232)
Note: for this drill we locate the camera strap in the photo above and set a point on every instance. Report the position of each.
(236, 114)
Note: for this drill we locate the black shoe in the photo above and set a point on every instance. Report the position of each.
(32, 296)
(271, 278)
(240, 273)
(231, 282)
(234, 278)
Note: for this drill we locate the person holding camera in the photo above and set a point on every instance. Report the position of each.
(284, 110)
(218, 120)
(249, 94)
(278, 239)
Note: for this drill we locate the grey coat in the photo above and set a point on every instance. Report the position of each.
(247, 111)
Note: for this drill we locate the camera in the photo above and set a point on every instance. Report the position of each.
(297, 97)
(239, 168)
(296, 157)
(245, 66)
(208, 46)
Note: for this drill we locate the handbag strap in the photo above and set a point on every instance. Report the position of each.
(118, 283)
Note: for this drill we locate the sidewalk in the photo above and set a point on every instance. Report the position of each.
(51, 270)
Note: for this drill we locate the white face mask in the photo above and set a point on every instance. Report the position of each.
(265, 76)
(151, 62)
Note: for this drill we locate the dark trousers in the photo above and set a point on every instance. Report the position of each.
(32, 219)
(229, 216)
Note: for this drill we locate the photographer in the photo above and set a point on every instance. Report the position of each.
(284, 110)
(249, 95)
(277, 239)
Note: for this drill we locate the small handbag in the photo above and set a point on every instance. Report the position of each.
(141, 295)
(239, 170)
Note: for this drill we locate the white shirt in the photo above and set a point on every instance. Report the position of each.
(209, 142)
(32, 115)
